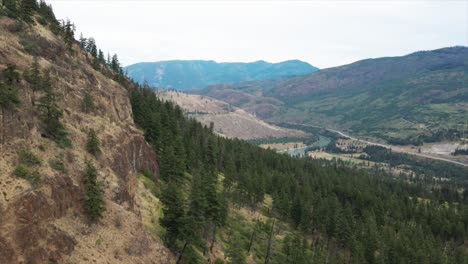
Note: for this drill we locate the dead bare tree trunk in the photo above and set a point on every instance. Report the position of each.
(213, 239)
(179, 258)
(252, 236)
(205, 236)
(270, 242)
(3, 125)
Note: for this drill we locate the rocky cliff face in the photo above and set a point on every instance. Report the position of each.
(43, 222)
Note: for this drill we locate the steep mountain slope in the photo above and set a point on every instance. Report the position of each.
(249, 95)
(72, 150)
(422, 96)
(299, 210)
(182, 75)
(228, 121)
(415, 71)
(43, 204)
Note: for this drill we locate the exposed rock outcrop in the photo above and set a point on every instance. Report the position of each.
(130, 157)
(45, 222)
(28, 233)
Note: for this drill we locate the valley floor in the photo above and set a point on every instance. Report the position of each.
(437, 151)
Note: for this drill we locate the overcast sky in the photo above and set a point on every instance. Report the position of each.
(323, 33)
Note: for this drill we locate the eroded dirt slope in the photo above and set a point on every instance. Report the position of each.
(228, 120)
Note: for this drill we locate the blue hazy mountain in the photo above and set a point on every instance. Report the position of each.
(185, 74)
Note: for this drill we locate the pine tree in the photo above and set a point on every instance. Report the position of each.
(91, 47)
(8, 93)
(46, 11)
(94, 201)
(93, 144)
(11, 8)
(345, 225)
(193, 222)
(229, 173)
(115, 64)
(196, 218)
(343, 229)
(213, 205)
(221, 217)
(213, 212)
(51, 114)
(68, 29)
(270, 242)
(100, 57)
(87, 105)
(173, 215)
(11, 75)
(8, 100)
(295, 249)
(170, 169)
(296, 210)
(210, 179)
(108, 60)
(83, 41)
(8, 90)
(179, 152)
(27, 7)
(235, 252)
(33, 76)
(8, 97)
(332, 215)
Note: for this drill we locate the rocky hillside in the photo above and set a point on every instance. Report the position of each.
(228, 120)
(44, 205)
(183, 75)
(97, 169)
(410, 99)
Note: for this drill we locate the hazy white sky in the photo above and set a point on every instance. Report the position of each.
(323, 33)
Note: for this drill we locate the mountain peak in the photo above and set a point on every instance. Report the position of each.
(185, 74)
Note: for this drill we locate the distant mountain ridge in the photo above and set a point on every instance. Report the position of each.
(422, 96)
(418, 70)
(185, 74)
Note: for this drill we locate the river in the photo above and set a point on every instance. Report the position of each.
(322, 142)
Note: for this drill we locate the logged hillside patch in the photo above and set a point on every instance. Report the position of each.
(227, 119)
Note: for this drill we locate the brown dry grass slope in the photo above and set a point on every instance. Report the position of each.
(228, 120)
(45, 223)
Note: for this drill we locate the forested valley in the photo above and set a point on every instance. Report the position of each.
(227, 198)
(336, 213)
